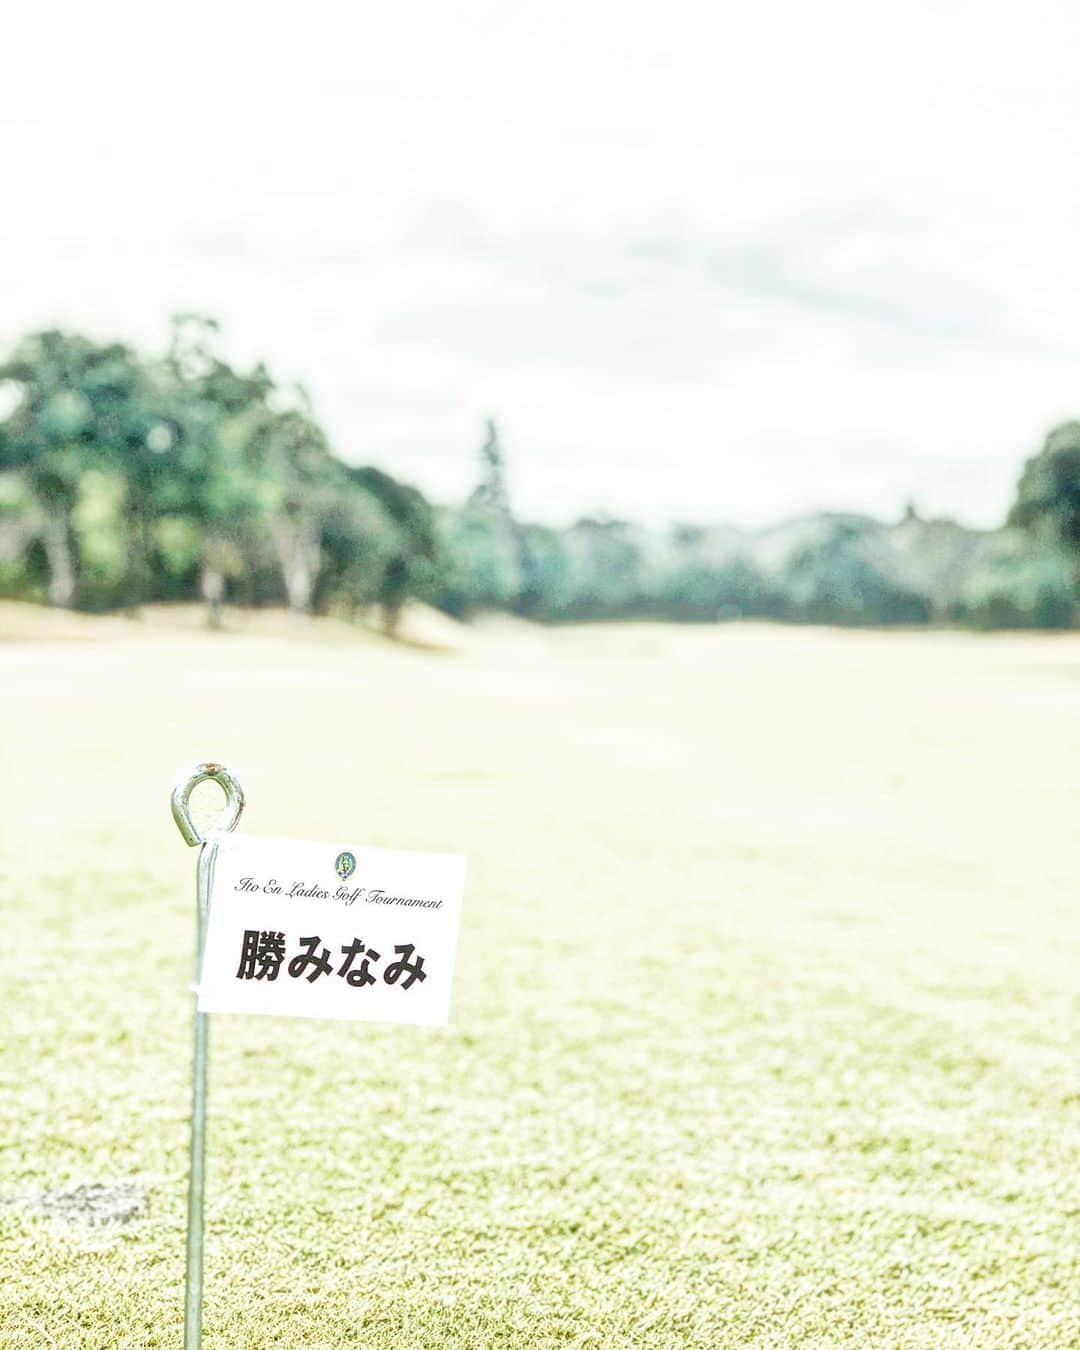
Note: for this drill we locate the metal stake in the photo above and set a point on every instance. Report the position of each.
(181, 810)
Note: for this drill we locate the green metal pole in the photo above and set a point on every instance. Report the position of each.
(181, 809)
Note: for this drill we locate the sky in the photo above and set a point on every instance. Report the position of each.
(701, 261)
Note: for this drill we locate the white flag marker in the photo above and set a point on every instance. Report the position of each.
(333, 930)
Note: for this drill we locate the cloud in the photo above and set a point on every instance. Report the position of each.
(702, 261)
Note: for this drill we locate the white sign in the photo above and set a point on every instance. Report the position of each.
(331, 930)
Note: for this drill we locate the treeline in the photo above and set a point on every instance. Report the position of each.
(127, 479)
(831, 569)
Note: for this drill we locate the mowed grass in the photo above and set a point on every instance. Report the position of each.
(764, 1023)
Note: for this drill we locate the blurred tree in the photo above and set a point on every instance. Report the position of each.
(412, 560)
(846, 575)
(547, 582)
(608, 567)
(484, 569)
(99, 526)
(78, 406)
(708, 577)
(935, 558)
(490, 493)
(1048, 493)
(482, 541)
(1021, 581)
(358, 541)
(300, 486)
(214, 479)
(23, 569)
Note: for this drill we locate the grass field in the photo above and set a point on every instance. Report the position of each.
(764, 1025)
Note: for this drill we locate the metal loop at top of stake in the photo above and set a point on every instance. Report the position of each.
(181, 801)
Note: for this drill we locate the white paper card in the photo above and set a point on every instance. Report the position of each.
(305, 929)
